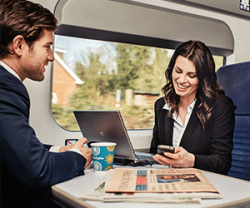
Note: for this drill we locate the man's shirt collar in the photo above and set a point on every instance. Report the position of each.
(10, 70)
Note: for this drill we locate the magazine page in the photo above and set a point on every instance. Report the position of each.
(159, 181)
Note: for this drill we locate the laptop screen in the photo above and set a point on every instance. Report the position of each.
(106, 126)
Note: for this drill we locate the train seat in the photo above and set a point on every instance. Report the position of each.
(235, 81)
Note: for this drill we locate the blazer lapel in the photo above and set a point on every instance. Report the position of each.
(192, 124)
(169, 123)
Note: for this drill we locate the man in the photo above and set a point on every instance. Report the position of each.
(27, 165)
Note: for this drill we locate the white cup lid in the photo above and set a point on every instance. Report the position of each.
(103, 144)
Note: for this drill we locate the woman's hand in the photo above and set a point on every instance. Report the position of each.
(180, 159)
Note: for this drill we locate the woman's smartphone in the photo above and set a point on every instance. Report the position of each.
(164, 148)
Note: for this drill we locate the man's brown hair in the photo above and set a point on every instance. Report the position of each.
(24, 18)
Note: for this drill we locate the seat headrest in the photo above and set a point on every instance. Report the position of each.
(235, 81)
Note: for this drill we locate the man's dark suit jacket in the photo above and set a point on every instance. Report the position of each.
(212, 147)
(25, 161)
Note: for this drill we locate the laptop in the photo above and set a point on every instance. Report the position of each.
(108, 126)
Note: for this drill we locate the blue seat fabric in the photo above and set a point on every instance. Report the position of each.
(235, 81)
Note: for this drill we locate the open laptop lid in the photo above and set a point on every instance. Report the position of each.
(106, 126)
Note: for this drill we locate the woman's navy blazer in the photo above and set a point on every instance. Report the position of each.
(212, 147)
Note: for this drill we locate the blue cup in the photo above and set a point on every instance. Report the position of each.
(103, 155)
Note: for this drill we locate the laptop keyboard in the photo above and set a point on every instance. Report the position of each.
(143, 156)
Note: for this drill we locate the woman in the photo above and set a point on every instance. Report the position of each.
(194, 115)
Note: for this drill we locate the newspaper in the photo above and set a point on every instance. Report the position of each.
(98, 194)
(188, 180)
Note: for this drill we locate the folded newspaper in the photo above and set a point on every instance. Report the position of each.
(159, 181)
(184, 195)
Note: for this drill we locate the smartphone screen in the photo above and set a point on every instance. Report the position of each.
(70, 141)
(164, 148)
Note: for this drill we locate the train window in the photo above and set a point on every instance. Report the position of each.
(102, 75)
(113, 56)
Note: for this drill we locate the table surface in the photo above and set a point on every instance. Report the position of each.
(235, 192)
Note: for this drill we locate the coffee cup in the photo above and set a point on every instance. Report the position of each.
(103, 155)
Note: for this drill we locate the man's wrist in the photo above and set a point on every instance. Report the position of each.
(76, 150)
(55, 149)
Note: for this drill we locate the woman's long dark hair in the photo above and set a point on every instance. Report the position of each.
(208, 89)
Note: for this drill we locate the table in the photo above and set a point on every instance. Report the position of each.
(235, 192)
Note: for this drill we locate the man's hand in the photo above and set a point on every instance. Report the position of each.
(180, 159)
(86, 152)
(66, 148)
